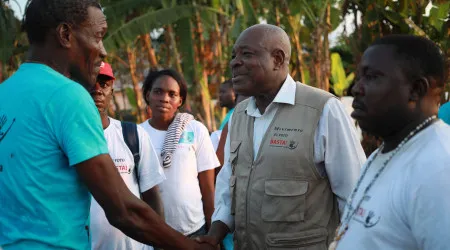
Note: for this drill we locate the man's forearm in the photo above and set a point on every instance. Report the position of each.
(124, 210)
(208, 207)
(206, 180)
(208, 213)
(153, 199)
(218, 230)
(145, 225)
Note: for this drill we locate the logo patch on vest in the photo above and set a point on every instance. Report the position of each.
(280, 139)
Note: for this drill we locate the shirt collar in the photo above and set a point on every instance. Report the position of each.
(286, 95)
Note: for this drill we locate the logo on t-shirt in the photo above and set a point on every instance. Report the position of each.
(4, 127)
(366, 217)
(122, 166)
(187, 137)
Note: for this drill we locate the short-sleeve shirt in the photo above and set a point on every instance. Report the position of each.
(406, 207)
(444, 112)
(150, 172)
(48, 124)
(180, 192)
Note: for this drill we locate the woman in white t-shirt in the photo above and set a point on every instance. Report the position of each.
(186, 153)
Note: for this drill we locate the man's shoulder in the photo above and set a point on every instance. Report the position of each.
(117, 125)
(242, 106)
(446, 106)
(195, 125)
(142, 133)
(197, 129)
(44, 82)
(445, 109)
(44, 76)
(313, 97)
(432, 152)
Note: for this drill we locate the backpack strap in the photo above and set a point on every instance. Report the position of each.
(131, 138)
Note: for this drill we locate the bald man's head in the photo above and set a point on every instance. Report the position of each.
(261, 57)
(270, 37)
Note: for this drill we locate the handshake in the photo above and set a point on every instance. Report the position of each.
(207, 242)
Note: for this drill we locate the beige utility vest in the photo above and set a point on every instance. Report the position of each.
(279, 200)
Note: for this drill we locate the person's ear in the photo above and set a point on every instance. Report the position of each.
(279, 58)
(419, 89)
(64, 35)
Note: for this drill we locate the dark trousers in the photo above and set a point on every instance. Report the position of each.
(200, 232)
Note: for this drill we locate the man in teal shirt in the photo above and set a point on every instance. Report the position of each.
(52, 149)
(444, 112)
(227, 99)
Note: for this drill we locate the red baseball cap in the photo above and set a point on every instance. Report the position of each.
(105, 69)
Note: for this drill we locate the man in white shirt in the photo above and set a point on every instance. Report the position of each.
(400, 200)
(215, 138)
(142, 180)
(279, 214)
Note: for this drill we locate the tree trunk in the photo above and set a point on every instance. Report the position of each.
(137, 90)
(277, 16)
(214, 124)
(203, 86)
(326, 48)
(200, 41)
(166, 46)
(294, 23)
(300, 62)
(174, 49)
(419, 13)
(117, 107)
(218, 54)
(147, 42)
(206, 100)
(317, 57)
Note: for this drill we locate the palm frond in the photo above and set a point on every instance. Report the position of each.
(145, 23)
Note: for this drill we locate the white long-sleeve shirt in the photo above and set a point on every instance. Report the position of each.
(337, 150)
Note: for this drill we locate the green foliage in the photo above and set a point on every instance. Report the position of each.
(340, 80)
(131, 97)
(380, 18)
(249, 14)
(144, 23)
(438, 15)
(183, 29)
(9, 32)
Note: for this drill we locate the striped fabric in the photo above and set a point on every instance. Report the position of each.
(173, 135)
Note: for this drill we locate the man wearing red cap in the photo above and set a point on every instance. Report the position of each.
(142, 180)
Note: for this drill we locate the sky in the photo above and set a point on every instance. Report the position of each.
(18, 6)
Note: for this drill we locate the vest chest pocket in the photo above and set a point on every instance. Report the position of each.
(234, 151)
(284, 200)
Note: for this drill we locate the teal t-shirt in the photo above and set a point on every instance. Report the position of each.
(444, 112)
(225, 120)
(48, 124)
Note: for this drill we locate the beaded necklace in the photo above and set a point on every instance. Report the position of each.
(352, 210)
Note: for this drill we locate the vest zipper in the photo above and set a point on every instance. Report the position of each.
(247, 213)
